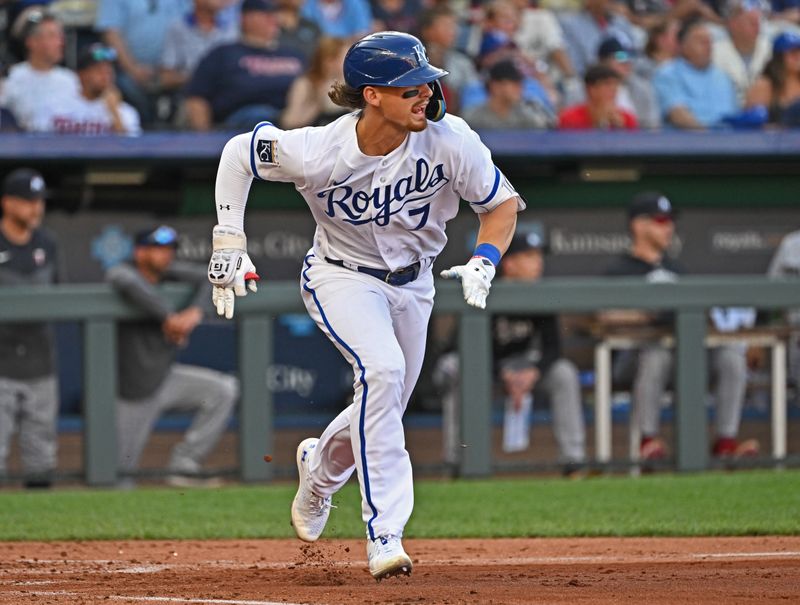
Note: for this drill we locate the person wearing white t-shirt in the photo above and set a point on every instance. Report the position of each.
(39, 82)
(98, 107)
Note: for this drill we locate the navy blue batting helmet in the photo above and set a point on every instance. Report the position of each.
(394, 59)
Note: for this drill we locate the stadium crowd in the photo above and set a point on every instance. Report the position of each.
(130, 65)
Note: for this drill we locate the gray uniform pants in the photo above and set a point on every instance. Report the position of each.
(728, 364)
(210, 394)
(561, 384)
(32, 407)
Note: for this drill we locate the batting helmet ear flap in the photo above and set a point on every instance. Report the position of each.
(436, 106)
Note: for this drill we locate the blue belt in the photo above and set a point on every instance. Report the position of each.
(394, 278)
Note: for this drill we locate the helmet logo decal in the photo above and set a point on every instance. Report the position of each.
(419, 52)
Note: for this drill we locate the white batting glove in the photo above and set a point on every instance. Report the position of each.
(476, 279)
(230, 270)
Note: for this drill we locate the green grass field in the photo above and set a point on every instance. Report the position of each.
(742, 503)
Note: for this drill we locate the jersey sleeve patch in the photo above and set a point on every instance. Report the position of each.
(267, 152)
(255, 149)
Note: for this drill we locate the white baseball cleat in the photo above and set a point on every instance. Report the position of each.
(309, 511)
(387, 558)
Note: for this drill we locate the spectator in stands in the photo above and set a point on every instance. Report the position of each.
(505, 107)
(150, 382)
(297, 32)
(651, 225)
(438, 32)
(745, 47)
(28, 376)
(240, 84)
(497, 44)
(308, 103)
(137, 29)
(600, 111)
(350, 19)
(785, 264)
(586, 29)
(661, 46)
(778, 88)
(786, 10)
(636, 94)
(190, 37)
(98, 109)
(649, 13)
(539, 37)
(528, 365)
(395, 15)
(692, 93)
(39, 82)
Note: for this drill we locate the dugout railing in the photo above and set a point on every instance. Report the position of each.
(97, 307)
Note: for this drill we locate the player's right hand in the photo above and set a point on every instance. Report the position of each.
(230, 269)
(476, 279)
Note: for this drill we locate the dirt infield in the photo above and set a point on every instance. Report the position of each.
(508, 571)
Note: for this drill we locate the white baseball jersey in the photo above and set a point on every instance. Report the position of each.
(384, 212)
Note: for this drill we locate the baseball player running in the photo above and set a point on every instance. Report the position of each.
(381, 183)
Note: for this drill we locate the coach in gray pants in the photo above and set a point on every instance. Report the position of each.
(28, 384)
(150, 383)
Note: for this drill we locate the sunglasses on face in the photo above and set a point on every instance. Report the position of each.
(662, 219)
(102, 53)
(35, 16)
(164, 236)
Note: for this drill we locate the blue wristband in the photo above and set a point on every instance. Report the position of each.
(488, 251)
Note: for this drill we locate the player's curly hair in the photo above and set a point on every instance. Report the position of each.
(347, 96)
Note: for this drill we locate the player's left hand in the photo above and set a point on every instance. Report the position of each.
(476, 279)
(230, 269)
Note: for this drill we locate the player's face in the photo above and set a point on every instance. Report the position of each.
(26, 214)
(658, 231)
(155, 258)
(527, 265)
(405, 107)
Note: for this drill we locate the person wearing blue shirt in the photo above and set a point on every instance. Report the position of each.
(239, 84)
(692, 93)
(136, 29)
(340, 18)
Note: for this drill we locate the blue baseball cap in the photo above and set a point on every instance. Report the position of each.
(786, 41)
(158, 236)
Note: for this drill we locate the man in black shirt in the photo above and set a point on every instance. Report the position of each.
(651, 223)
(527, 354)
(150, 383)
(28, 384)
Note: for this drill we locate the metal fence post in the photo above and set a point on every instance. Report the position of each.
(256, 437)
(476, 393)
(692, 378)
(100, 410)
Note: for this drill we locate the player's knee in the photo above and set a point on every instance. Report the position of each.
(564, 373)
(226, 391)
(389, 370)
(655, 359)
(731, 361)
